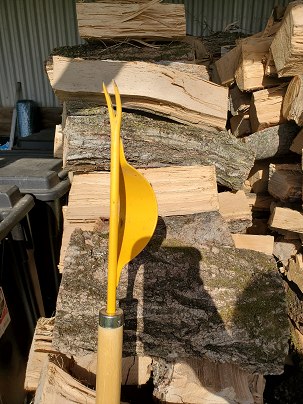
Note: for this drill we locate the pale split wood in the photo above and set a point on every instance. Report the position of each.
(249, 74)
(258, 177)
(287, 48)
(266, 108)
(118, 20)
(285, 182)
(285, 249)
(254, 242)
(286, 219)
(179, 191)
(260, 202)
(195, 381)
(146, 86)
(233, 205)
(292, 107)
(239, 101)
(226, 67)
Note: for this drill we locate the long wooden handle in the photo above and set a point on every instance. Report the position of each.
(109, 365)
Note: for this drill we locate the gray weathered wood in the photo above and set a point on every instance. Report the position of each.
(151, 143)
(274, 141)
(180, 299)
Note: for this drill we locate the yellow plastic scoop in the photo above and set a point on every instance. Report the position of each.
(133, 207)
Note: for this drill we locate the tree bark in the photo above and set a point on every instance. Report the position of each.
(151, 143)
(180, 299)
(274, 141)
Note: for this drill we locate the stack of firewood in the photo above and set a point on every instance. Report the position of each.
(205, 297)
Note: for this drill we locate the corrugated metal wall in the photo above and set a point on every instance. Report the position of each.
(30, 29)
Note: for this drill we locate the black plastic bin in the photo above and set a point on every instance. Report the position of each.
(20, 287)
(43, 178)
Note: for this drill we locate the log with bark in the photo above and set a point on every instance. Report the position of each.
(292, 107)
(266, 108)
(273, 141)
(150, 87)
(287, 49)
(151, 143)
(180, 299)
(135, 20)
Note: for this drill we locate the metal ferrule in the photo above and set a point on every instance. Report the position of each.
(111, 320)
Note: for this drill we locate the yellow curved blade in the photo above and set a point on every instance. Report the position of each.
(138, 213)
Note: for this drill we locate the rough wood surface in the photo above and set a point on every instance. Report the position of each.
(235, 210)
(286, 219)
(179, 191)
(249, 74)
(266, 108)
(181, 96)
(254, 242)
(198, 381)
(287, 49)
(292, 108)
(240, 125)
(258, 177)
(40, 348)
(180, 299)
(226, 67)
(274, 141)
(239, 101)
(285, 182)
(120, 20)
(151, 143)
(295, 271)
(285, 249)
(295, 305)
(56, 386)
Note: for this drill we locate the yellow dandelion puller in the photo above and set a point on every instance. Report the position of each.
(133, 219)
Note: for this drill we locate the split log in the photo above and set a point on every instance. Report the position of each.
(235, 210)
(295, 271)
(249, 74)
(297, 144)
(40, 348)
(181, 96)
(266, 108)
(260, 202)
(287, 219)
(285, 182)
(270, 67)
(239, 101)
(180, 299)
(198, 381)
(179, 191)
(120, 20)
(240, 125)
(56, 386)
(287, 49)
(226, 66)
(273, 141)
(152, 143)
(292, 108)
(285, 249)
(254, 242)
(258, 177)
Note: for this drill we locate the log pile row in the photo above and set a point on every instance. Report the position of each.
(206, 296)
